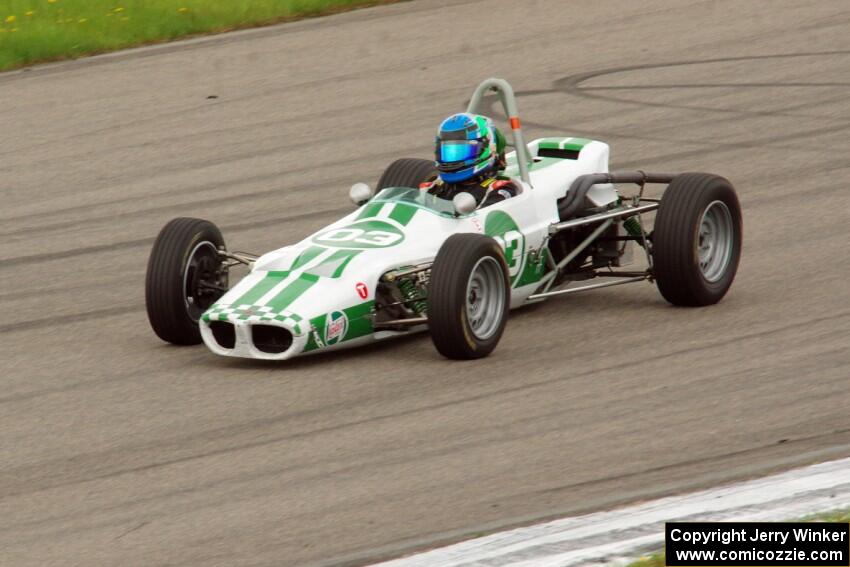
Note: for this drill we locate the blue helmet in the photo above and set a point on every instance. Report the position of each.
(467, 146)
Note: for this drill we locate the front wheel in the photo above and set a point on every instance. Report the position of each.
(468, 297)
(185, 277)
(697, 239)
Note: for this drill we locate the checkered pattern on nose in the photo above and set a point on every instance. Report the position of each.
(253, 314)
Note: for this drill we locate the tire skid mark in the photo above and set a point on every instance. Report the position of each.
(572, 84)
(184, 166)
(137, 213)
(99, 457)
(710, 86)
(754, 143)
(749, 144)
(204, 188)
(58, 320)
(114, 377)
(249, 479)
(129, 244)
(346, 111)
(606, 134)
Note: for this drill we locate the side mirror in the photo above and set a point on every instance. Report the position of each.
(464, 203)
(360, 193)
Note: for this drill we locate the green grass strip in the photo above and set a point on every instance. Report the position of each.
(35, 31)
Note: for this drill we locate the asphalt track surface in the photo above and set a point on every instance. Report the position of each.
(118, 449)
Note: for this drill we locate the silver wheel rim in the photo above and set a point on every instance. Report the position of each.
(485, 298)
(715, 241)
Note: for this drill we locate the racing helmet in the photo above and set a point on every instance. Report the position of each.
(468, 146)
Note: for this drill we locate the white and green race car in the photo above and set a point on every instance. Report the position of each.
(405, 260)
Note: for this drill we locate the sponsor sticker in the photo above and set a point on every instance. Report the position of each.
(362, 290)
(336, 325)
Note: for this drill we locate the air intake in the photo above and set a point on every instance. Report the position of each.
(270, 339)
(557, 153)
(223, 333)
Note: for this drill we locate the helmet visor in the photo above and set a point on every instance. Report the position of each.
(452, 151)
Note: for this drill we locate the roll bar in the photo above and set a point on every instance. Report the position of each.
(506, 96)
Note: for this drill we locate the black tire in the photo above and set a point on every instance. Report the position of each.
(448, 292)
(183, 258)
(408, 172)
(683, 277)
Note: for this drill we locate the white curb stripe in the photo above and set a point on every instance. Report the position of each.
(612, 537)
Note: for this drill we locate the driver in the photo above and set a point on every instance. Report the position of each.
(470, 155)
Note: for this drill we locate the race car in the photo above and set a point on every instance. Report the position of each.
(405, 260)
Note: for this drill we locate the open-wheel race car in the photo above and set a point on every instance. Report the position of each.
(406, 260)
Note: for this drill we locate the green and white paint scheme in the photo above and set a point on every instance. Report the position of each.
(322, 289)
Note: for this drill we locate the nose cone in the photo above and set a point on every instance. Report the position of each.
(320, 292)
(251, 331)
(277, 314)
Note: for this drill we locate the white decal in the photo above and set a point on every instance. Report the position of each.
(377, 238)
(511, 243)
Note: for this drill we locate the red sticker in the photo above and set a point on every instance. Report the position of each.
(514, 122)
(362, 290)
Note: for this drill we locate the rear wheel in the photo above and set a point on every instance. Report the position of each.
(185, 277)
(468, 296)
(697, 239)
(408, 172)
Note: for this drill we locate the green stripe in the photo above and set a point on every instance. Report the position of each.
(532, 272)
(261, 288)
(305, 256)
(402, 214)
(292, 292)
(576, 144)
(370, 210)
(343, 257)
(359, 322)
(333, 265)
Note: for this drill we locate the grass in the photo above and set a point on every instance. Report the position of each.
(657, 560)
(35, 31)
